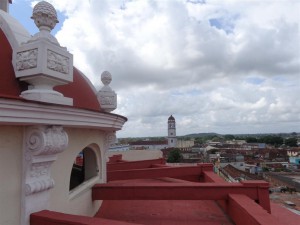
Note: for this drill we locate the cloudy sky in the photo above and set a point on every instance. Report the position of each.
(225, 66)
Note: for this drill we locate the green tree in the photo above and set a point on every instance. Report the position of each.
(292, 142)
(272, 140)
(229, 137)
(174, 156)
(199, 140)
(217, 139)
(251, 140)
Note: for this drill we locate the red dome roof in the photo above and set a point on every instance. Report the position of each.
(9, 86)
(80, 90)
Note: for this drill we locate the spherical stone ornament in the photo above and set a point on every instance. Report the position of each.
(44, 15)
(106, 78)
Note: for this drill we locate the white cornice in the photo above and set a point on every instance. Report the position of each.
(15, 112)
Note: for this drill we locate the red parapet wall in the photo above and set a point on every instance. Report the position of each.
(239, 200)
(190, 173)
(177, 191)
(122, 165)
(244, 211)
(262, 189)
(212, 187)
(115, 158)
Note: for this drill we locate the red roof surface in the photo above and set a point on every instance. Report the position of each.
(80, 90)
(159, 194)
(167, 212)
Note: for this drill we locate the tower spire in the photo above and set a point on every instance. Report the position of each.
(172, 140)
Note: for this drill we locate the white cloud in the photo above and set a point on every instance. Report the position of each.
(222, 66)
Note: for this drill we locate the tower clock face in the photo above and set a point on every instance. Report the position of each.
(172, 125)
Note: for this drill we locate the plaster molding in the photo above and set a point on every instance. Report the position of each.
(46, 140)
(42, 144)
(27, 59)
(40, 149)
(13, 112)
(57, 62)
(110, 138)
(38, 186)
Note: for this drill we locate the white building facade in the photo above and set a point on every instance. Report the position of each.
(49, 114)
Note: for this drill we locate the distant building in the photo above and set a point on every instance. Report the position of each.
(172, 140)
(185, 144)
(294, 157)
(254, 146)
(119, 148)
(148, 145)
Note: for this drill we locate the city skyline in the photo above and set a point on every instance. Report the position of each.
(229, 67)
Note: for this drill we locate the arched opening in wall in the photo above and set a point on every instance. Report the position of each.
(84, 168)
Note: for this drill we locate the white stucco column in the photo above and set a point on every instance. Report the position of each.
(40, 149)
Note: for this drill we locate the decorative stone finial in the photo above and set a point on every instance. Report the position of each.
(44, 16)
(42, 62)
(106, 96)
(106, 78)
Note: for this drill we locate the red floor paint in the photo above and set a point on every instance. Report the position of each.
(157, 212)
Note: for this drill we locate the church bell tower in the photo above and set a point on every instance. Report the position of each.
(171, 132)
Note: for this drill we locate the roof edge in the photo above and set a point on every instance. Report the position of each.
(18, 112)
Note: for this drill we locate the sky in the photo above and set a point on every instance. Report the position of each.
(224, 66)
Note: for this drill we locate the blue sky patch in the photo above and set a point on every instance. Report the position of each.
(255, 80)
(224, 23)
(22, 11)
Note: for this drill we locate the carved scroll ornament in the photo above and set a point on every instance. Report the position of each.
(46, 140)
(43, 143)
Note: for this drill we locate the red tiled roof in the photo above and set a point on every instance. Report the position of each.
(161, 195)
(236, 173)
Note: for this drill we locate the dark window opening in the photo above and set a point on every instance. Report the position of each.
(84, 168)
